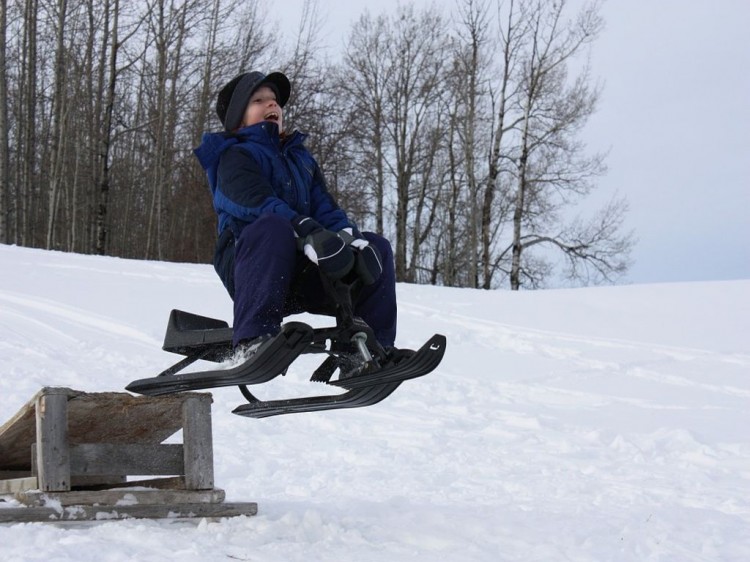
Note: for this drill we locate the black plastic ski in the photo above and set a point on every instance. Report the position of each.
(351, 399)
(364, 390)
(419, 364)
(269, 361)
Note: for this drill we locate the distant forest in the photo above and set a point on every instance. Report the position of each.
(455, 134)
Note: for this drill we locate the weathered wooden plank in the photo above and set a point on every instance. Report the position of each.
(120, 497)
(52, 453)
(116, 417)
(198, 443)
(97, 480)
(13, 485)
(19, 432)
(25, 482)
(132, 460)
(103, 513)
(101, 417)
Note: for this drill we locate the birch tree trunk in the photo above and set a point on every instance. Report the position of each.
(26, 184)
(106, 130)
(59, 108)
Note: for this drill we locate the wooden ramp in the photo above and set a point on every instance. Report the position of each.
(69, 455)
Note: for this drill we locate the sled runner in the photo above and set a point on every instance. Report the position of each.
(365, 371)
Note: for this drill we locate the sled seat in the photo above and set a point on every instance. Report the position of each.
(191, 334)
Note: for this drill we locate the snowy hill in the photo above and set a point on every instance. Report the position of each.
(589, 424)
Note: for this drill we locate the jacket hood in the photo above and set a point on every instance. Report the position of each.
(211, 148)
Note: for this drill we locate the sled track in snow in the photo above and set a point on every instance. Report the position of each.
(523, 333)
(31, 308)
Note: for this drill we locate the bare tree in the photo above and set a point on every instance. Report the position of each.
(393, 71)
(416, 52)
(254, 36)
(112, 22)
(495, 207)
(364, 77)
(203, 102)
(5, 192)
(552, 169)
(59, 132)
(458, 142)
(469, 84)
(26, 195)
(170, 26)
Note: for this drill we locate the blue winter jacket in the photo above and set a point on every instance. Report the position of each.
(253, 172)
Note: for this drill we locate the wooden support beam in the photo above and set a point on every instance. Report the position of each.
(135, 460)
(13, 485)
(120, 497)
(52, 453)
(198, 443)
(98, 512)
(97, 480)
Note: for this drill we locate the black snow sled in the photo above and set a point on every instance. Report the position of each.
(365, 371)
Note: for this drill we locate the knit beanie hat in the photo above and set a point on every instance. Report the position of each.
(234, 97)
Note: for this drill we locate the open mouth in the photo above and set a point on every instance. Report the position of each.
(271, 116)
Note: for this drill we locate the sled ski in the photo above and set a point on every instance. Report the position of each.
(366, 372)
(270, 360)
(363, 390)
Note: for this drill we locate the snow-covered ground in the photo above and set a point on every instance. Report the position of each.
(590, 424)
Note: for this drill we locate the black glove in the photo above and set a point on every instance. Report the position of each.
(368, 264)
(324, 248)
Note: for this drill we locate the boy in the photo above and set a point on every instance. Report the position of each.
(279, 227)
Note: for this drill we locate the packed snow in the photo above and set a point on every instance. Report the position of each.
(601, 424)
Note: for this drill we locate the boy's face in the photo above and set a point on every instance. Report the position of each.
(262, 107)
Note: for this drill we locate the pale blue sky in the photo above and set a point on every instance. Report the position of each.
(675, 115)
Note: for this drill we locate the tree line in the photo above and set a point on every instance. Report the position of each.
(457, 135)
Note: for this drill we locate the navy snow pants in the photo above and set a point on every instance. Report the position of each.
(273, 279)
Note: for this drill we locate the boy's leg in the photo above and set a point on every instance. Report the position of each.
(264, 264)
(376, 303)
